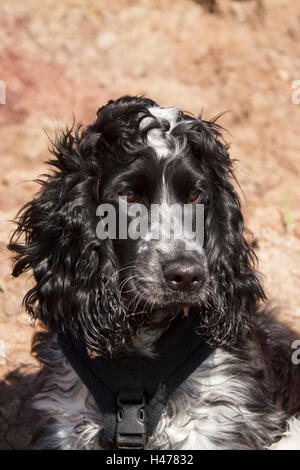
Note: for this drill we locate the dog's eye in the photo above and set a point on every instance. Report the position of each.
(193, 196)
(129, 195)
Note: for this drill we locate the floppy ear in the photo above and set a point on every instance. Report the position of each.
(56, 238)
(235, 287)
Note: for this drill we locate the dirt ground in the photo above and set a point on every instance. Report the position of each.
(60, 59)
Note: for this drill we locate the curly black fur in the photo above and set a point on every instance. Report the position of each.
(75, 288)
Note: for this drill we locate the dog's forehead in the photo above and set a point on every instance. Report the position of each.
(166, 114)
(159, 138)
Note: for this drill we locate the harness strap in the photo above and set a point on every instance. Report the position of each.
(131, 380)
(131, 426)
(132, 391)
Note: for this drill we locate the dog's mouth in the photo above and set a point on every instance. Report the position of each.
(144, 295)
(148, 303)
(144, 310)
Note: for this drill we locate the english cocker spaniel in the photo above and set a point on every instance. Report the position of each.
(156, 337)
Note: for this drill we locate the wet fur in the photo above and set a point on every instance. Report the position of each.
(241, 397)
(244, 394)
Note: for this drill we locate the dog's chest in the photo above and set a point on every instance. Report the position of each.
(212, 409)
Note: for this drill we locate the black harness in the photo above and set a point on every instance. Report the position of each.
(132, 391)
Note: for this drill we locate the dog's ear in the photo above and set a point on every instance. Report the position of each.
(232, 260)
(235, 285)
(56, 238)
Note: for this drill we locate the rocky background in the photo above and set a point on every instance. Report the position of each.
(64, 59)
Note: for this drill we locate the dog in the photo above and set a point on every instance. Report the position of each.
(148, 299)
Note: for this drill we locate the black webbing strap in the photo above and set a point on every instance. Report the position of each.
(132, 391)
(131, 426)
(131, 380)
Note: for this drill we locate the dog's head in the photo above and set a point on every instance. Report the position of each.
(135, 168)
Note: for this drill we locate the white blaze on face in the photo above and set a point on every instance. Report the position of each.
(166, 221)
(156, 138)
(166, 114)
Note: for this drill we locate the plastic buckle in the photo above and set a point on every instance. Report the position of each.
(131, 427)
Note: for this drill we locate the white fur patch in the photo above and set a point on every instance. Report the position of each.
(156, 138)
(291, 438)
(166, 114)
(209, 410)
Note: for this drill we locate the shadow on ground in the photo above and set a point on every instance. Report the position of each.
(16, 391)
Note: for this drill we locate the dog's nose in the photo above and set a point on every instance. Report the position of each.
(183, 275)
